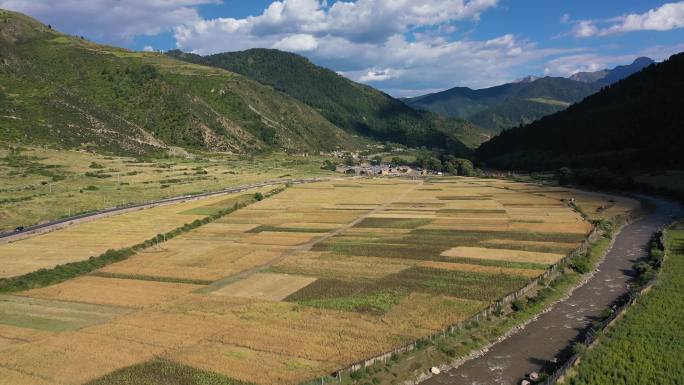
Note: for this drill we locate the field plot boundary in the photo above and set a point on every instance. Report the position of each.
(593, 236)
(61, 273)
(305, 247)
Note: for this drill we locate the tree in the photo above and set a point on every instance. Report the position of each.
(450, 168)
(435, 164)
(398, 161)
(376, 160)
(464, 167)
(329, 165)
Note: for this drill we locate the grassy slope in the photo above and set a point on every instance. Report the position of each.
(45, 184)
(645, 347)
(60, 89)
(635, 122)
(507, 105)
(355, 107)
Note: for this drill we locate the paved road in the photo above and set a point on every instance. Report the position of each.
(529, 350)
(59, 223)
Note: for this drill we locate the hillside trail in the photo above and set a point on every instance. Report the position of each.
(549, 336)
(306, 246)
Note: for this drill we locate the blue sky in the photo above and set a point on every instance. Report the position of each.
(405, 47)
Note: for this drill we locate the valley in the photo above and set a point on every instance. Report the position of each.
(316, 259)
(289, 193)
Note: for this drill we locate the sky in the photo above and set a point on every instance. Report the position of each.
(403, 47)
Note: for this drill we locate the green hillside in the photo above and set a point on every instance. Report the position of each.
(508, 105)
(357, 108)
(61, 90)
(635, 123)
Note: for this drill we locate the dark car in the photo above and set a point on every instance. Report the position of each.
(19, 229)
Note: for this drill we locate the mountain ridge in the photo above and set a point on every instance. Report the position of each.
(63, 90)
(357, 108)
(523, 101)
(633, 123)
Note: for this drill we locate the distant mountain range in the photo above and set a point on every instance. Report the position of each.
(618, 73)
(356, 108)
(522, 102)
(635, 123)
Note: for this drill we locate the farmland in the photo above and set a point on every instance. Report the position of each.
(298, 285)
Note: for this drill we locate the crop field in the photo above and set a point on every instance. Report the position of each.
(295, 286)
(81, 241)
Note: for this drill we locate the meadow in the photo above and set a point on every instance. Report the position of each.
(41, 184)
(298, 285)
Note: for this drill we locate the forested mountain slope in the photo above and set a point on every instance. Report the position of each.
(637, 122)
(62, 90)
(357, 108)
(507, 105)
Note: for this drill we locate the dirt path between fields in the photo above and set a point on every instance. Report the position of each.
(549, 336)
(306, 246)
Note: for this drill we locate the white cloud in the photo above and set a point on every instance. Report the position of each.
(362, 21)
(113, 21)
(297, 43)
(375, 75)
(398, 45)
(589, 62)
(148, 48)
(664, 18)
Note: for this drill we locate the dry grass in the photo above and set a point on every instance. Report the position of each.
(428, 313)
(502, 255)
(73, 357)
(330, 266)
(251, 365)
(81, 241)
(269, 287)
(113, 291)
(481, 269)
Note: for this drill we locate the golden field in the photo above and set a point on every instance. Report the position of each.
(298, 285)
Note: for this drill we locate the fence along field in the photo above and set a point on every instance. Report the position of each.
(286, 290)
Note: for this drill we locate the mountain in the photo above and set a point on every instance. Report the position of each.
(61, 90)
(507, 105)
(635, 123)
(357, 108)
(616, 74)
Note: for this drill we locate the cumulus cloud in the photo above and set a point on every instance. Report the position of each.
(362, 21)
(664, 18)
(401, 46)
(113, 21)
(297, 43)
(148, 48)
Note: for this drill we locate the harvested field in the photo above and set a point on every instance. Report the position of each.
(112, 291)
(81, 241)
(269, 287)
(481, 269)
(502, 255)
(49, 315)
(290, 288)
